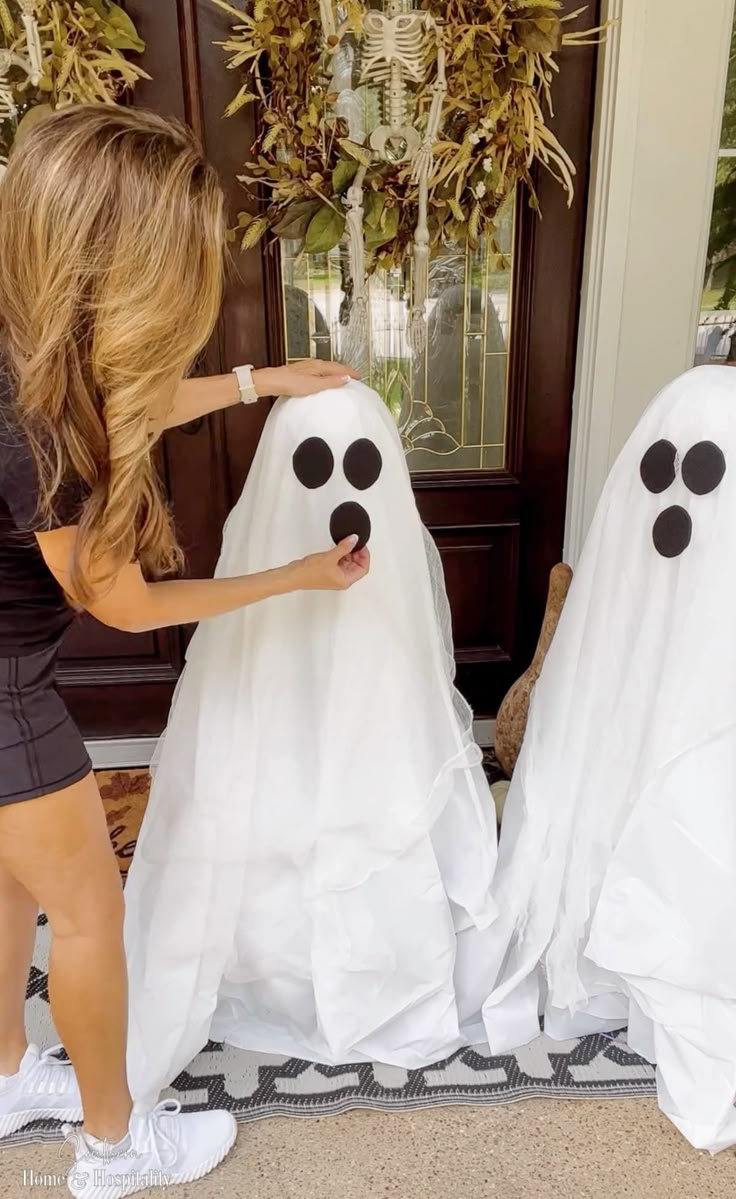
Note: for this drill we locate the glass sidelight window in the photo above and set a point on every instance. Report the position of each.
(450, 402)
(717, 328)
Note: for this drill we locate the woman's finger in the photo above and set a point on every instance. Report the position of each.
(344, 548)
(339, 368)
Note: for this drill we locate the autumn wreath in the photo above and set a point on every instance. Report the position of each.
(500, 67)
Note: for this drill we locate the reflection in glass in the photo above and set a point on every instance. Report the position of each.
(717, 328)
(449, 402)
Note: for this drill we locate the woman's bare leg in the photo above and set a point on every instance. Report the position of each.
(18, 916)
(58, 848)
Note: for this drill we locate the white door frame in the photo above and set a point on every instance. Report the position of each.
(660, 89)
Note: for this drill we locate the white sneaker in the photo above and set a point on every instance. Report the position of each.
(43, 1088)
(163, 1147)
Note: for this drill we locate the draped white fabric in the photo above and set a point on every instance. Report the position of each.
(617, 864)
(315, 864)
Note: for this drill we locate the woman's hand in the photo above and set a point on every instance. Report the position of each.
(302, 378)
(335, 570)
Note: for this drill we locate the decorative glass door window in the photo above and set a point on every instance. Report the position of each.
(450, 402)
(717, 328)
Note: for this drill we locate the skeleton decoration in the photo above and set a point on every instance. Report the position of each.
(397, 49)
(33, 39)
(8, 110)
(32, 65)
(327, 14)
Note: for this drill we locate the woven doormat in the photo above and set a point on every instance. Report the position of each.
(254, 1086)
(124, 795)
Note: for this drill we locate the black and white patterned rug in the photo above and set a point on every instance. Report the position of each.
(254, 1085)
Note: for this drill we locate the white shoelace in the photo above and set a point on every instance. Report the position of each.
(48, 1075)
(149, 1136)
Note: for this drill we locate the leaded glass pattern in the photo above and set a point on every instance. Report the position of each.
(717, 326)
(450, 402)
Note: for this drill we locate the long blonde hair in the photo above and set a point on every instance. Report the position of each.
(111, 268)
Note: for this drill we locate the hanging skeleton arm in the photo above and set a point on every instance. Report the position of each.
(422, 173)
(329, 25)
(8, 109)
(34, 67)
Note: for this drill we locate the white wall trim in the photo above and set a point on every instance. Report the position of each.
(135, 753)
(620, 65)
(485, 733)
(656, 138)
(122, 753)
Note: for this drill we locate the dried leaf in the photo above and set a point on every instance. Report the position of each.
(373, 206)
(324, 231)
(474, 224)
(343, 175)
(360, 153)
(34, 116)
(355, 13)
(542, 34)
(243, 97)
(456, 209)
(296, 220)
(254, 232)
(553, 5)
(271, 138)
(465, 44)
(388, 227)
(125, 31)
(6, 21)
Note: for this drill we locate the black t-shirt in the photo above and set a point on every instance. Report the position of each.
(33, 611)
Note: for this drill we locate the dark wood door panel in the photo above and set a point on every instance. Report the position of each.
(481, 566)
(481, 573)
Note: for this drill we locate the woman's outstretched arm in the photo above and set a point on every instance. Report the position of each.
(199, 397)
(129, 603)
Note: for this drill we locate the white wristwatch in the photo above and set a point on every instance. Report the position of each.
(244, 375)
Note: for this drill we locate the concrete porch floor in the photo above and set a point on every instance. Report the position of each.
(533, 1150)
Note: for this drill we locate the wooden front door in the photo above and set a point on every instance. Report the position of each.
(485, 417)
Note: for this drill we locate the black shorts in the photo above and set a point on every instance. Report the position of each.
(41, 749)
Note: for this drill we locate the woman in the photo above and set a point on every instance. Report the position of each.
(110, 283)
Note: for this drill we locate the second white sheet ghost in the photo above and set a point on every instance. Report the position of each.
(616, 882)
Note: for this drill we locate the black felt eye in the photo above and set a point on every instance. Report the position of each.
(703, 468)
(672, 531)
(313, 463)
(362, 464)
(348, 519)
(659, 467)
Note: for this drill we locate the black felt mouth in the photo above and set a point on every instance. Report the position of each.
(350, 518)
(672, 532)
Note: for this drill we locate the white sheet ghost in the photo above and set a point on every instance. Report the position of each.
(617, 864)
(320, 840)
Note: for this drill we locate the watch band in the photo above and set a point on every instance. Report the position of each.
(244, 375)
